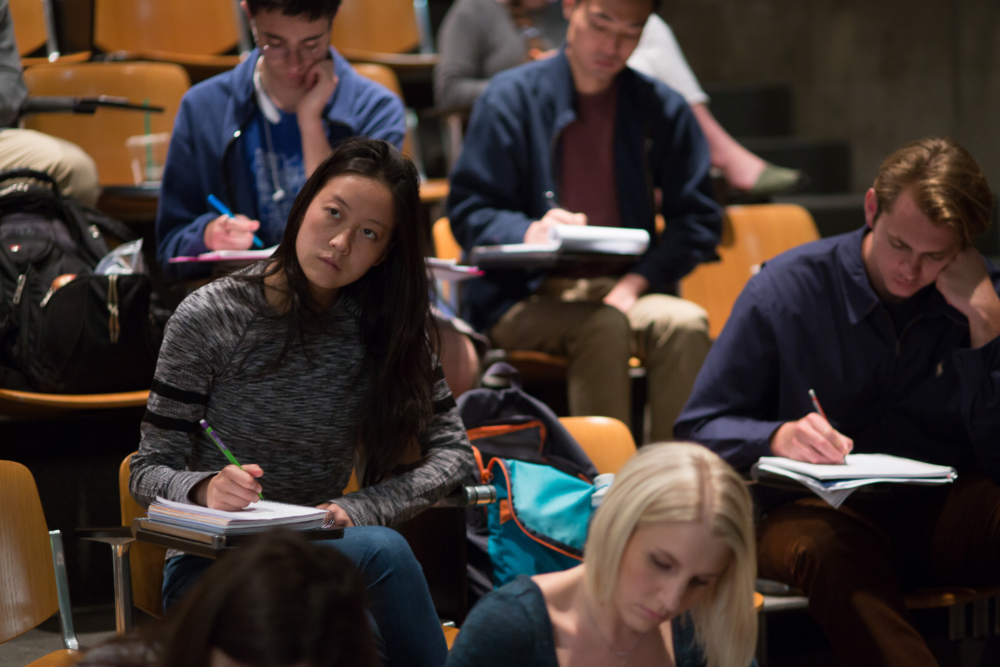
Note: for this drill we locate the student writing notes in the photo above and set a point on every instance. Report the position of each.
(253, 135)
(667, 578)
(580, 138)
(310, 363)
(896, 328)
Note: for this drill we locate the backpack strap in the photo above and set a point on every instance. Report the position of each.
(33, 174)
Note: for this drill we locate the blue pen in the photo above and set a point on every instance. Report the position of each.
(224, 210)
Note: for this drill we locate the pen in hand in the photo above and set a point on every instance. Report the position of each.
(217, 204)
(225, 450)
(819, 410)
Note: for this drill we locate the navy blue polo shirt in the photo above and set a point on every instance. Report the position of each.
(902, 382)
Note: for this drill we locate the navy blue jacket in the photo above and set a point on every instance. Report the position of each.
(206, 154)
(511, 158)
(810, 319)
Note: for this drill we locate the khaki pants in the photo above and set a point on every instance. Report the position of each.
(73, 169)
(567, 318)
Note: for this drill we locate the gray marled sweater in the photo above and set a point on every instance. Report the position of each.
(297, 422)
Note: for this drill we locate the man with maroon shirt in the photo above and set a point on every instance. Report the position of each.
(582, 139)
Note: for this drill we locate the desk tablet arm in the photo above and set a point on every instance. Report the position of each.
(87, 105)
(469, 496)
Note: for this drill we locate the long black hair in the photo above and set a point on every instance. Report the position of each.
(393, 302)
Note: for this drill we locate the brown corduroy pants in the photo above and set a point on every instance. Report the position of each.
(856, 562)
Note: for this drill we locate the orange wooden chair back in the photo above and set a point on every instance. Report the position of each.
(751, 235)
(27, 577)
(196, 27)
(145, 560)
(607, 441)
(103, 134)
(29, 25)
(380, 26)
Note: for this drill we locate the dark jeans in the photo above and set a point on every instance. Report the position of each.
(855, 563)
(398, 597)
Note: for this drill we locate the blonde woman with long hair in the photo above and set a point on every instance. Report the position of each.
(667, 578)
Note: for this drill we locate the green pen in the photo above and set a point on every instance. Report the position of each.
(225, 450)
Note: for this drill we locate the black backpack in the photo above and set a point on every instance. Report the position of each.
(507, 423)
(93, 334)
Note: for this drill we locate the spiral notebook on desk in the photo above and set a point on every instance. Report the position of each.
(257, 517)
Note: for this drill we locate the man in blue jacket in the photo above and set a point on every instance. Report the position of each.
(582, 139)
(253, 135)
(897, 329)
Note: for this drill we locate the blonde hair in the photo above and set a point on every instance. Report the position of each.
(684, 482)
(946, 184)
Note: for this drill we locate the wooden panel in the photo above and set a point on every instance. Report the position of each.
(145, 560)
(382, 26)
(103, 135)
(27, 576)
(199, 27)
(751, 236)
(450, 635)
(608, 442)
(63, 658)
(29, 25)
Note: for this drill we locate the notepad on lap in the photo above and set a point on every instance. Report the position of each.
(834, 483)
(257, 517)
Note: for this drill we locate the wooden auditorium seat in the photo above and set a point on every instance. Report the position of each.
(30, 589)
(608, 442)
(751, 235)
(196, 34)
(145, 560)
(34, 29)
(103, 134)
(385, 32)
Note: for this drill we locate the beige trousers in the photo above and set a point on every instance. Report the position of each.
(73, 169)
(567, 318)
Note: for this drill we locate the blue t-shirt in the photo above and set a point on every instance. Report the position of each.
(285, 165)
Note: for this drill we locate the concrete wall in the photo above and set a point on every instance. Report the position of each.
(877, 73)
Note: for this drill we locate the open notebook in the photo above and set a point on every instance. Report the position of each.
(834, 483)
(258, 517)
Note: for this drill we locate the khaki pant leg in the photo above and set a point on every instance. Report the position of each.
(593, 336)
(671, 337)
(73, 169)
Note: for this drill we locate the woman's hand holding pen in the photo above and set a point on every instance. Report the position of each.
(230, 233)
(811, 440)
(336, 516)
(232, 489)
(538, 231)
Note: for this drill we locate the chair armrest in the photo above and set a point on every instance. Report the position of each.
(467, 496)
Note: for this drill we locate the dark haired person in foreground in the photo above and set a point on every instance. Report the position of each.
(253, 135)
(307, 365)
(895, 327)
(279, 602)
(581, 139)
